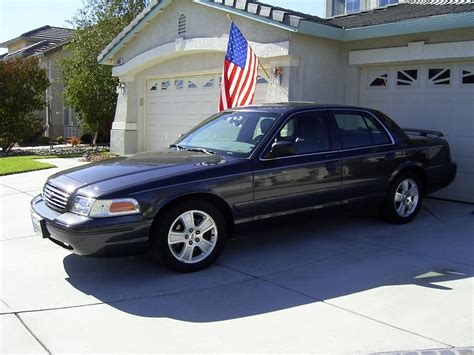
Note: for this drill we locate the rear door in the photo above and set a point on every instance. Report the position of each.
(307, 179)
(368, 153)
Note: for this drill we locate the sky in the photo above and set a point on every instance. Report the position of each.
(20, 16)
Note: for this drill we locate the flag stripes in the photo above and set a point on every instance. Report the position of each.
(239, 78)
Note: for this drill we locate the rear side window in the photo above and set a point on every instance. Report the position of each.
(357, 130)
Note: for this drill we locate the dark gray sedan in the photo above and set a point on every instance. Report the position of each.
(236, 167)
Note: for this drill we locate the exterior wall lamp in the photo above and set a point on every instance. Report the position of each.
(277, 74)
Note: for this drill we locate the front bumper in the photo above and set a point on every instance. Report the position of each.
(93, 236)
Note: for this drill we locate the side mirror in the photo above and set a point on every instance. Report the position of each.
(282, 149)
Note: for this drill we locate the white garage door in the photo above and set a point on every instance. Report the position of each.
(175, 105)
(435, 96)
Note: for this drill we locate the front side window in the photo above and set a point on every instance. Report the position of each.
(307, 131)
(236, 133)
(356, 130)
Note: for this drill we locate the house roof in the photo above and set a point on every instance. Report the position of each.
(44, 39)
(397, 13)
(54, 34)
(295, 21)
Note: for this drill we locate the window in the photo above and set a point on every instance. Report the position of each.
(230, 133)
(261, 80)
(192, 85)
(338, 7)
(352, 5)
(165, 85)
(179, 84)
(262, 128)
(387, 2)
(308, 132)
(439, 76)
(182, 25)
(69, 117)
(209, 84)
(380, 80)
(407, 77)
(355, 130)
(467, 77)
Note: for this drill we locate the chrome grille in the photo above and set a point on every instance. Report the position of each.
(55, 198)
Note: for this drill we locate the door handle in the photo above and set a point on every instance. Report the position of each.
(390, 155)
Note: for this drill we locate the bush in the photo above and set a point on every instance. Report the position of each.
(22, 87)
(86, 138)
(43, 140)
(74, 141)
(60, 140)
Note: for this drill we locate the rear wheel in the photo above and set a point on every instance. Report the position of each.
(190, 236)
(403, 199)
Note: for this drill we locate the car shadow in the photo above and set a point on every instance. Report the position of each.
(275, 266)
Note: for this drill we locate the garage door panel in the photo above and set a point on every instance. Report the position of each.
(436, 114)
(405, 112)
(427, 105)
(463, 114)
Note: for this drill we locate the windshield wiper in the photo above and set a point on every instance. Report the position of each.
(201, 150)
(194, 149)
(177, 147)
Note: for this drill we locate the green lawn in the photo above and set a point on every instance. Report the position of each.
(21, 164)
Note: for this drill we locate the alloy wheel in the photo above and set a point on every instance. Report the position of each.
(407, 196)
(192, 236)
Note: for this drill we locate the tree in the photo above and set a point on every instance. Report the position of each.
(90, 88)
(23, 85)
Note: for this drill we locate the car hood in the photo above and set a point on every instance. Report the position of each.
(134, 167)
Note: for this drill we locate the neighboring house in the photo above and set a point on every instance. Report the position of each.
(47, 43)
(344, 7)
(413, 61)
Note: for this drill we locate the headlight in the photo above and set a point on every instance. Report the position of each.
(82, 205)
(104, 208)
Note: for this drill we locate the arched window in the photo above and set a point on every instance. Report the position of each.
(182, 25)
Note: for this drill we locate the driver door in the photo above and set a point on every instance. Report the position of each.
(308, 179)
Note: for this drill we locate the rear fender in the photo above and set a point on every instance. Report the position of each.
(409, 165)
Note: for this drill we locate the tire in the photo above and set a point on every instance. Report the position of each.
(190, 236)
(403, 199)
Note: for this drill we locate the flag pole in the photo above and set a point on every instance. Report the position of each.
(259, 62)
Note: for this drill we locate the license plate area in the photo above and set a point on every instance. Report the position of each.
(39, 225)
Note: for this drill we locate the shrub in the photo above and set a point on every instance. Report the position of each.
(60, 140)
(22, 87)
(74, 141)
(86, 138)
(43, 140)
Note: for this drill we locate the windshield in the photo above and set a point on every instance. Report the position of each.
(231, 133)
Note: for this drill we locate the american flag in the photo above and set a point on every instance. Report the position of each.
(240, 72)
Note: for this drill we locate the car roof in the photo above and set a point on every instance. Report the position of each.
(297, 105)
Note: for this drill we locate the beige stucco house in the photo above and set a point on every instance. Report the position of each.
(47, 44)
(414, 61)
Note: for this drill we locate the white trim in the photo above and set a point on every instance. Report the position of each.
(182, 47)
(124, 126)
(414, 51)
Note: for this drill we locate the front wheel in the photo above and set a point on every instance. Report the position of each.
(403, 199)
(190, 236)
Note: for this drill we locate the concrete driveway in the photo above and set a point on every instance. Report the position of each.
(350, 283)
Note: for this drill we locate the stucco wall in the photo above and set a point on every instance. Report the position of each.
(202, 21)
(319, 76)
